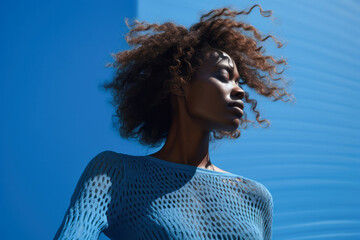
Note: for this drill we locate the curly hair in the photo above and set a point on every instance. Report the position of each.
(166, 56)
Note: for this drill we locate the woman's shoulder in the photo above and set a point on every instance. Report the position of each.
(112, 155)
(104, 162)
(259, 190)
(108, 156)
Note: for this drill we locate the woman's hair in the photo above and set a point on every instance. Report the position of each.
(166, 56)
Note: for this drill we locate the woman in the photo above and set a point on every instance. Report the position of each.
(179, 85)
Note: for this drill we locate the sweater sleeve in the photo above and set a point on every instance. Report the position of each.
(85, 217)
(269, 210)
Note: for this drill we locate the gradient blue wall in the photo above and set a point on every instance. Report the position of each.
(55, 119)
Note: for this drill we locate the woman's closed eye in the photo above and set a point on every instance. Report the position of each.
(223, 75)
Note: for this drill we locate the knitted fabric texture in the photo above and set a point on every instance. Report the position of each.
(143, 197)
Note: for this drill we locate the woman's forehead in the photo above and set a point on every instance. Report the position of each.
(220, 58)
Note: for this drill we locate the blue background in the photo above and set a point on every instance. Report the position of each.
(54, 118)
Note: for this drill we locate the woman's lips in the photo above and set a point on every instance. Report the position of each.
(237, 111)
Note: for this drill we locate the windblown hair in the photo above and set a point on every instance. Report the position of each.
(166, 57)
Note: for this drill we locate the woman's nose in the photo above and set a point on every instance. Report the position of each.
(238, 92)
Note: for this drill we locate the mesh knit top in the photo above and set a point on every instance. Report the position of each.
(143, 197)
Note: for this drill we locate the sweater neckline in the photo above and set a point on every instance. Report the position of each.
(190, 167)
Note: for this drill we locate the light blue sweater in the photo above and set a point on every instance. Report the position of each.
(143, 197)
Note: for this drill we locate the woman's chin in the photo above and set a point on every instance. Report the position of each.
(232, 125)
(236, 123)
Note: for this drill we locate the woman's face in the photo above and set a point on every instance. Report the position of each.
(212, 93)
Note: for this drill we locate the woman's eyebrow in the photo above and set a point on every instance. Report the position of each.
(226, 67)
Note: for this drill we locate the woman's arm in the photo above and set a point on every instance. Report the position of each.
(268, 219)
(86, 218)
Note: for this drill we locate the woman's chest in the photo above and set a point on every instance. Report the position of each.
(195, 209)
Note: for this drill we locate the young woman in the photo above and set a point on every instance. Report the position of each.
(179, 85)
